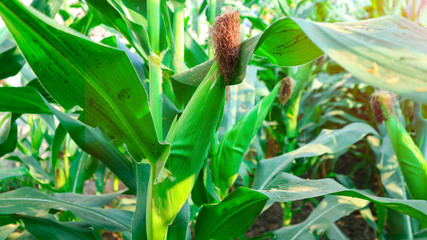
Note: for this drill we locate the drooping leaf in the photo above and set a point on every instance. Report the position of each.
(35, 169)
(26, 199)
(77, 71)
(287, 187)
(50, 228)
(331, 209)
(12, 172)
(230, 218)
(6, 230)
(87, 200)
(94, 142)
(11, 59)
(329, 141)
(9, 135)
(115, 13)
(91, 140)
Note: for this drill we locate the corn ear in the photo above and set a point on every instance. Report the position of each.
(411, 161)
(190, 139)
(409, 156)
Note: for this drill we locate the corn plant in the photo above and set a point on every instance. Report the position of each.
(90, 116)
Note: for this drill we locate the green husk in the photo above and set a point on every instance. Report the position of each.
(190, 138)
(409, 156)
(411, 161)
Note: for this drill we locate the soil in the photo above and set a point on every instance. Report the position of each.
(269, 220)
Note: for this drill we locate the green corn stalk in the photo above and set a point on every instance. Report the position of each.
(212, 14)
(410, 158)
(302, 76)
(178, 34)
(154, 61)
(190, 138)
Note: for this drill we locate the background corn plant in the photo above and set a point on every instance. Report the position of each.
(144, 108)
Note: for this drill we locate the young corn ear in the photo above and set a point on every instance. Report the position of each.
(410, 158)
(190, 138)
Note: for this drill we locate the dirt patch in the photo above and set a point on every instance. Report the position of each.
(269, 220)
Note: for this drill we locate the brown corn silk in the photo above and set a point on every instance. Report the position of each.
(225, 35)
(382, 103)
(286, 90)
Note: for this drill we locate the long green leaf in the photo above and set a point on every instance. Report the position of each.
(9, 135)
(87, 200)
(77, 71)
(11, 59)
(230, 218)
(91, 140)
(286, 187)
(50, 228)
(331, 209)
(243, 205)
(26, 199)
(12, 172)
(329, 141)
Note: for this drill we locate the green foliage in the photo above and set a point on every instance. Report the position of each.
(123, 100)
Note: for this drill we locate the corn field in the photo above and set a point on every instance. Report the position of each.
(212, 119)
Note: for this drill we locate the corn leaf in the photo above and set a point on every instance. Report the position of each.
(29, 199)
(58, 138)
(139, 220)
(81, 169)
(180, 225)
(111, 14)
(11, 59)
(8, 229)
(12, 172)
(77, 71)
(236, 142)
(50, 228)
(9, 135)
(238, 210)
(230, 218)
(328, 141)
(88, 200)
(387, 52)
(331, 209)
(91, 140)
(287, 187)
